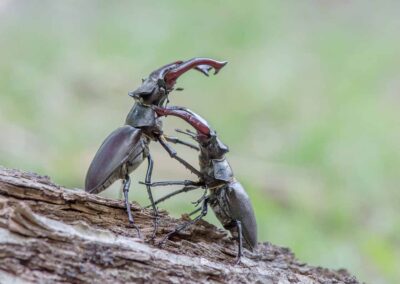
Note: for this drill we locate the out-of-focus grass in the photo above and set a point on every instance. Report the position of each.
(308, 105)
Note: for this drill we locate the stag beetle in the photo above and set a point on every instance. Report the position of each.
(227, 197)
(126, 148)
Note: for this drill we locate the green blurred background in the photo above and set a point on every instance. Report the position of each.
(309, 105)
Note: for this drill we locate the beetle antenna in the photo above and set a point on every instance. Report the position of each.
(191, 132)
(187, 132)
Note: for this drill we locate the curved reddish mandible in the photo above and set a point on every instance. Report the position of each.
(198, 123)
(196, 63)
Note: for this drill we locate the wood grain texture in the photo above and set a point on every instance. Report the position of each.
(51, 234)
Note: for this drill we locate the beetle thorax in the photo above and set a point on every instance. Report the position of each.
(213, 164)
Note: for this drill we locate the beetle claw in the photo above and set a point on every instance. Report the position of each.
(163, 241)
(156, 219)
(238, 260)
(132, 225)
(201, 199)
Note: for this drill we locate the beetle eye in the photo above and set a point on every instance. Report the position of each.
(161, 84)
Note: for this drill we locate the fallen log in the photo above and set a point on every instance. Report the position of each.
(51, 234)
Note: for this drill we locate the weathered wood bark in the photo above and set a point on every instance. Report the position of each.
(50, 234)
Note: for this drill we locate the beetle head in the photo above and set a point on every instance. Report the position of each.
(155, 88)
(215, 148)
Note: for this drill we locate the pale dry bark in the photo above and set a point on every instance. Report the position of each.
(51, 234)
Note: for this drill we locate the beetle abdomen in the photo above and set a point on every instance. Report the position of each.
(121, 152)
(231, 203)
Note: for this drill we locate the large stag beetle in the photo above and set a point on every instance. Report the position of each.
(227, 197)
(126, 148)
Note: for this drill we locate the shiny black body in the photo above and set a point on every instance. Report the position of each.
(120, 154)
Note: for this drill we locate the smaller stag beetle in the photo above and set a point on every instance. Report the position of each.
(227, 197)
(126, 148)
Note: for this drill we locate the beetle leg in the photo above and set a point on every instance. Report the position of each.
(176, 140)
(240, 241)
(174, 182)
(148, 181)
(204, 196)
(188, 186)
(126, 184)
(203, 213)
(175, 156)
(195, 211)
(201, 199)
(184, 189)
